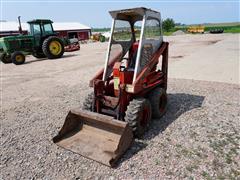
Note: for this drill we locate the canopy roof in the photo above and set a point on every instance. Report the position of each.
(134, 14)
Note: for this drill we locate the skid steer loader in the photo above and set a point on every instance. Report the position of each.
(127, 92)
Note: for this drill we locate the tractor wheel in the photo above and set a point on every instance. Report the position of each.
(18, 58)
(39, 55)
(5, 58)
(138, 116)
(53, 47)
(158, 100)
(88, 102)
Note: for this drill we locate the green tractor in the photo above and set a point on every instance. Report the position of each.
(41, 42)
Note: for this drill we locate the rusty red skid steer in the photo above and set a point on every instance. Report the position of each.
(127, 92)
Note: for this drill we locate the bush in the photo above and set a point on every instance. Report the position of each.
(168, 24)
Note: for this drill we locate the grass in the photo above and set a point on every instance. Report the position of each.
(222, 24)
(157, 161)
(100, 29)
(235, 172)
(206, 175)
(192, 167)
(227, 27)
(168, 33)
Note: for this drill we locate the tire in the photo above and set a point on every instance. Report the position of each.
(88, 102)
(138, 116)
(53, 47)
(158, 100)
(18, 58)
(39, 55)
(5, 58)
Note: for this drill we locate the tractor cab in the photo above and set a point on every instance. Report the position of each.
(136, 34)
(41, 29)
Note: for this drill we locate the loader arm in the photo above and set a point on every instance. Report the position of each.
(99, 74)
(145, 78)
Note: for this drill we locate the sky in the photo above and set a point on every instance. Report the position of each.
(94, 13)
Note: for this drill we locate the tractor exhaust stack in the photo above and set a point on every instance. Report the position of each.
(20, 25)
(95, 136)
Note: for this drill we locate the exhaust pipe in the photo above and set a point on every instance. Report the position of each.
(20, 26)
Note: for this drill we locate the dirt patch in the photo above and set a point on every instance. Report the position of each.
(212, 42)
(179, 32)
(177, 57)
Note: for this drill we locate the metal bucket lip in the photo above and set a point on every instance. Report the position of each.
(104, 118)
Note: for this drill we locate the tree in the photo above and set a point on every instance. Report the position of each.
(168, 24)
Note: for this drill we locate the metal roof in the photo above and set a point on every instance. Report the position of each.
(69, 26)
(12, 26)
(58, 26)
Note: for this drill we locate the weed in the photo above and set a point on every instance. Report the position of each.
(169, 173)
(206, 175)
(229, 159)
(217, 165)
(186, 152)
(235, 173)
(178, 145)
(221, 177)
(157, 161)
(191, 168)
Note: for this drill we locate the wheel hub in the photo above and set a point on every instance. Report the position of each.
(55, 47)
(19, 58)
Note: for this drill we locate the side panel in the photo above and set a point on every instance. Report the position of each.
(17, 43)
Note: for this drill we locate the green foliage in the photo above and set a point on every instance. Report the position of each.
(122, 36)
(168, 24)
(168, 33)
(226, 28)
(101, 29)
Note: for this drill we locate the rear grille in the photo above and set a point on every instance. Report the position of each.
(147, 52)
(20, 45)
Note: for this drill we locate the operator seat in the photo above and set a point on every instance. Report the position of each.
(133, 55)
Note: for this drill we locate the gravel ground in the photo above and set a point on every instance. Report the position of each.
(197, 138)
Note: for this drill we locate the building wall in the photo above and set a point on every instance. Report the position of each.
(62, 34)
(11, 33)
(80, 34)
(83, 35)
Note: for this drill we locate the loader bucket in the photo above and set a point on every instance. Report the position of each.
(95, 136)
